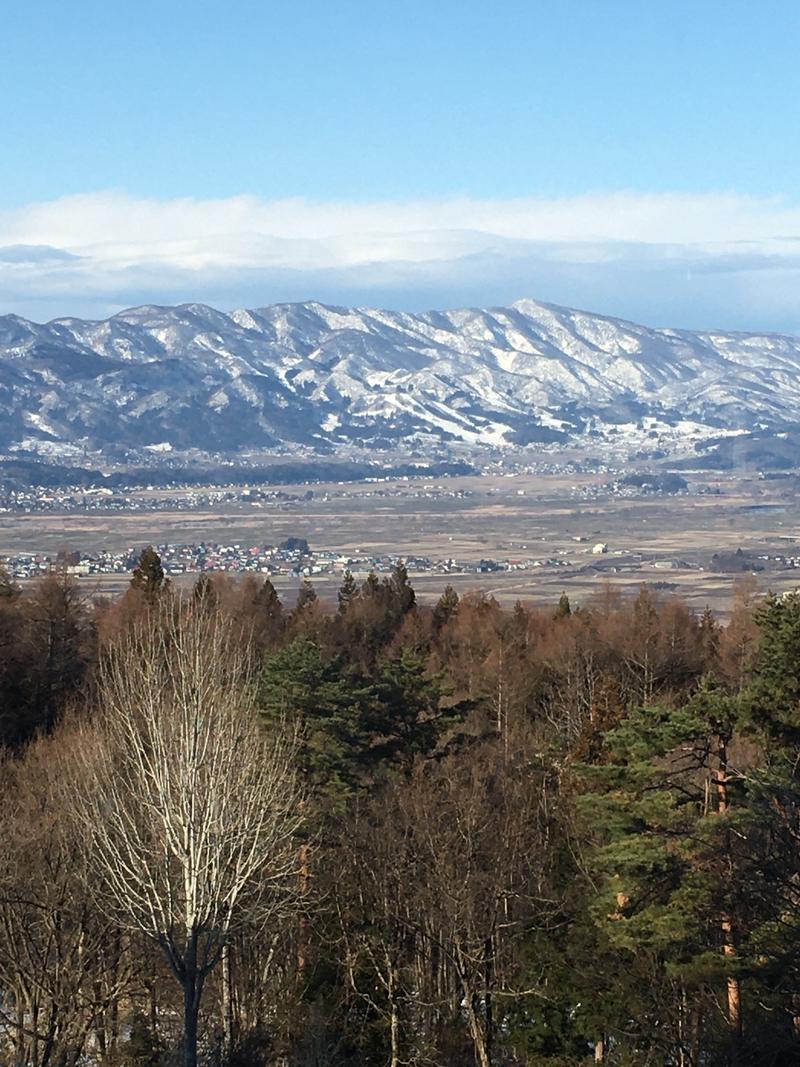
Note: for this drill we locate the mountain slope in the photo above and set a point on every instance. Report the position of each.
(325, 377)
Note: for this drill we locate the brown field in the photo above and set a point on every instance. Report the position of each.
(504, 518)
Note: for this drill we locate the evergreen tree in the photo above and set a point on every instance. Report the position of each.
(18, 718)
(668, 810)
(446, 608)
(259, 612)
(58, 646)
(564, 610)
(775, 693)
(376, 614)
(347, 592)
(773, 704)
(299, 685)
(401, 590)
(148, 576)
(404, 718)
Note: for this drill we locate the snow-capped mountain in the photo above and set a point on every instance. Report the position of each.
(328, 377)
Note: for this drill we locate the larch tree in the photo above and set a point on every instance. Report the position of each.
(479, 827)
(189, 804)
(61, 969)
(57, 642)
(204, 594)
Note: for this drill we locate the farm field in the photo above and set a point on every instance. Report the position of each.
(545, 526)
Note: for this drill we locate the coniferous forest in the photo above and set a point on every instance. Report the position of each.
(377, 833)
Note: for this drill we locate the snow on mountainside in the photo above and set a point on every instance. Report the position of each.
(326, 377)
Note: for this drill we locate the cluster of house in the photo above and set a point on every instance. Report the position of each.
(72, 499)
(292, 559)
(34, 499)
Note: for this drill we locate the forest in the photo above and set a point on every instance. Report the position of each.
(380, 833)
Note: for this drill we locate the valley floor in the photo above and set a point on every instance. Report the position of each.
(536, 535)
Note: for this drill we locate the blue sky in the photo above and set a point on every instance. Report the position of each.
(154, 146)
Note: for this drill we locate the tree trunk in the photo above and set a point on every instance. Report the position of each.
(480, 1043)
(34, 1014)
(734, 991)
(394, 1026)
(152, 989)
(227, 1000)
(691, 1029)
(303, 935)
(600, 1050)
(19, 1006)
(394, 1010)
(694, 1043)
(488, 988)
(190, 1013)
(483, 1053)
(192, 988)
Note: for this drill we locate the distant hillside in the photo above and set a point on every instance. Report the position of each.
(754, 451)
(326, 378)
(20, 473)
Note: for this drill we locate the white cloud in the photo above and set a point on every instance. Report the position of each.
(716, 259)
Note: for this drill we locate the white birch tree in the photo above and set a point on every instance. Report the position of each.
(190, 806)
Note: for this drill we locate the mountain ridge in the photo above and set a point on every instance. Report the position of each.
(322, 377)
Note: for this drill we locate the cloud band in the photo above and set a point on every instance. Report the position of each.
(686, 260)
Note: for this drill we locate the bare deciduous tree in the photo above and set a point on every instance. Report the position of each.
(61, 969)
(191, 807)
(443, 874)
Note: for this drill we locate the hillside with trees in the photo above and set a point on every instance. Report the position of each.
(384, 834)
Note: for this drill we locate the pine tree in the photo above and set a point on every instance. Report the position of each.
(446, 608)
(347, 592)
(404, 719)
(148, 575)
(18, 719)
(666, 805)
(299, 685)
(268, 601)
(775, 693)
(402, 592)
(377, 612)
(773, 703)
(260, 612)
(564, 610)
(57, 646)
